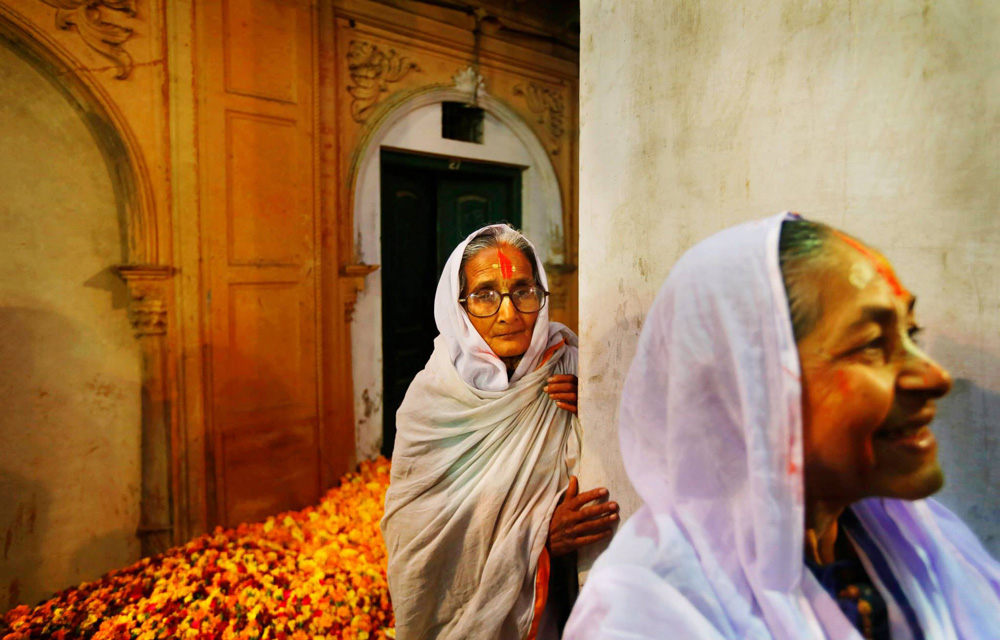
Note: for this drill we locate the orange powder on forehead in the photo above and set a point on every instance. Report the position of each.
(506, 266)
(881, 265)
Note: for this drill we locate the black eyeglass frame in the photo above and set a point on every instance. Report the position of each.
(545, 297)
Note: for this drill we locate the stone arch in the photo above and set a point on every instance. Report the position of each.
(146, 272)
(137, 220)
(542, 220)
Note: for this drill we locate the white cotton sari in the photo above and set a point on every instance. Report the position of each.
(478, 467)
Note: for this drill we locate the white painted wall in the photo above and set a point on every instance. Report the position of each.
(69, 364)
(505, 140)
(881, 118)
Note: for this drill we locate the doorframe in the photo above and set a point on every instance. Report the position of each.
(541, 219)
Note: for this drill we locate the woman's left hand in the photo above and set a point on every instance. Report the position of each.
(562, 389)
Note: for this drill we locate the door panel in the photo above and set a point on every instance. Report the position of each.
(259, 226)
(467, 203)
(409, 277)
(269, 220)
(268, 365)
(257, 484)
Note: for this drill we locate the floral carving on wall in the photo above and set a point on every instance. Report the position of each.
(548, 105)
(372, 71)
(103, 37)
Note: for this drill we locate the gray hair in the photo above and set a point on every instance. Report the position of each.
(492, 238)
(803, 250)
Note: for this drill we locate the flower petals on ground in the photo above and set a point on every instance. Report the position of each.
(315, 573)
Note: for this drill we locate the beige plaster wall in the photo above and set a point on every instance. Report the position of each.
(69, 365)
(882, 118)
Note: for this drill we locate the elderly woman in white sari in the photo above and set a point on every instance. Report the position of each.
(482, 504)
(775, 422)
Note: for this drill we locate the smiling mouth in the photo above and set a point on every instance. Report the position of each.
(914, 433)
(901, 433)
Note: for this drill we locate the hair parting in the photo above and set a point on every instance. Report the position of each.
(493, 238)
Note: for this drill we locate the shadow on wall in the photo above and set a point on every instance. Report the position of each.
(23, 513)
(24, 502)
(969, 447)
(107, 279)
(56, 483)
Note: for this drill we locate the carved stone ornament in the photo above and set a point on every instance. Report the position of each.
(103, 37)
(548, 105)
(468, 81)
(372, 71)
(147, 307)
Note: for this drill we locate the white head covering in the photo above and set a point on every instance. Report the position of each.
(476, 363)
(710, 427)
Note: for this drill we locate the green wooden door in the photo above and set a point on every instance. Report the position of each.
(429, 205)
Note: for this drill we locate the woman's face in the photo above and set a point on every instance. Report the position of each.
(868, 389)
(508, 331)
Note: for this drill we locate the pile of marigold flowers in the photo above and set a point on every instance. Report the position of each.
(315, 573)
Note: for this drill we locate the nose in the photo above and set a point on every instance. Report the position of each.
(507, 313)
(923, 375)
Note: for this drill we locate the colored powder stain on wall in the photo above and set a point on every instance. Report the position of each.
(881, 265)
(506, 266)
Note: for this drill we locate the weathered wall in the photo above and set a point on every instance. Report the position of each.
(69, 364)
(882, 118)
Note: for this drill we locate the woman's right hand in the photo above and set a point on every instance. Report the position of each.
(575, 525)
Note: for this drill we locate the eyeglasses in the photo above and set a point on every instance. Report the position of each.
(486, 302)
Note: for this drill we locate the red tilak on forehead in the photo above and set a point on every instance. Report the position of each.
(881, 265)
(506, 266)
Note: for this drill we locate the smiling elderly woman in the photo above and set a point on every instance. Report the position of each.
(775, 422)
(481, 495)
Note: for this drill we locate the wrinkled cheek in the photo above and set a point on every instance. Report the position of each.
(841, 406)
(868, 406)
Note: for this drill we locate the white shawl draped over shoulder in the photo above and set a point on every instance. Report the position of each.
(478, 467)
(711, 436)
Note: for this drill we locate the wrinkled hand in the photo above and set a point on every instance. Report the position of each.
(562, 389)
(575, 525)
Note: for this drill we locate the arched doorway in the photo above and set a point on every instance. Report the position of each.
(414, 126)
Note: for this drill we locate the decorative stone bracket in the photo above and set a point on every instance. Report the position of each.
(352, 277)
(149, 295)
